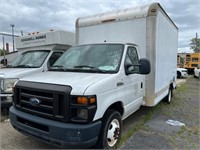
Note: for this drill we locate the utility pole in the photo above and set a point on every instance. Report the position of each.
(12, 26)
(196, 43)
(22, 33)
(196, 38)
(4, 58)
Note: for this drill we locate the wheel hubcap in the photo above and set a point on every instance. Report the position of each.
(113, 132)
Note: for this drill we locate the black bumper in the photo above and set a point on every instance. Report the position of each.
(6, 101)
(65, 135)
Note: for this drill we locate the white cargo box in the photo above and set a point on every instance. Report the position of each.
(151, 29)
(45, 39)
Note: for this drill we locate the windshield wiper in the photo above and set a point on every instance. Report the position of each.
(90, 67)
(57, 67)
(24, 66)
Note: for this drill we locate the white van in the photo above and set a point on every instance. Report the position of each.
(81, 101)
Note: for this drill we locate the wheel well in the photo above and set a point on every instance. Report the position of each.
(178, 72)
(118, 107)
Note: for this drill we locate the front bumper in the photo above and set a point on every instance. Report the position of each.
(65, 135)
(6, 101)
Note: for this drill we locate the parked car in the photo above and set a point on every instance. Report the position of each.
(182, 73)
(197, 72)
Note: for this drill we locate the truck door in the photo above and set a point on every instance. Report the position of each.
(133, 82)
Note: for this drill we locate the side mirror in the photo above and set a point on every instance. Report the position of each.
(127, 69)
(145, 67)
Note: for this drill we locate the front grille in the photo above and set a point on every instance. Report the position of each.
(53, 100)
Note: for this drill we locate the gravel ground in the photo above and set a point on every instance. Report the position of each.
(157, 134)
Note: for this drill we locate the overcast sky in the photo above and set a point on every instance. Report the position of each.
(41, 15)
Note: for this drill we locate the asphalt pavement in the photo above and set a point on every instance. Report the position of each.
(185, 109)
(145, 129)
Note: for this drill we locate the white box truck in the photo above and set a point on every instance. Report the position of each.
(36, 53)
(82, 100)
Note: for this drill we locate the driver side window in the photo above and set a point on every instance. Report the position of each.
(132, 59)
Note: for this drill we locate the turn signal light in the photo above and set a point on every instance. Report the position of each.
(82, 100)
(92, 100)
(85, 100)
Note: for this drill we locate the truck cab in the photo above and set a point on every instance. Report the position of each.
(87, 83)
(36, 53)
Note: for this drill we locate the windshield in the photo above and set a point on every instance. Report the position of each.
(30, 59)
(91, 58)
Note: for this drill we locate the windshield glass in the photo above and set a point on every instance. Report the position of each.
(91, 58)
(30, 59)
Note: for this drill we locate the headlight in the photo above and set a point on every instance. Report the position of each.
(7, 85)
(83, 108)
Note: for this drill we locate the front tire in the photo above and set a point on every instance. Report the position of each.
(110, 133)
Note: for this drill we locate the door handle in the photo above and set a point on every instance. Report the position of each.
(120, 83)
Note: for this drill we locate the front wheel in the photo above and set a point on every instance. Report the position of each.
(111, 130)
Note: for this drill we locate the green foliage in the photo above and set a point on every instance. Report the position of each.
(195, 44)
(2, 52)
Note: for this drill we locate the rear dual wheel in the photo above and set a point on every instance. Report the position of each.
(168, 98)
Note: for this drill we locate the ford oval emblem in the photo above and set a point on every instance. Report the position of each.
(34, 101)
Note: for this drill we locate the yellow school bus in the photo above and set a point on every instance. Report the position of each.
(192, 61)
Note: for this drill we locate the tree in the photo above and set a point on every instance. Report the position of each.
(2, 52)
(195, 44)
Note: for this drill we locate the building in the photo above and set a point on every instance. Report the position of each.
(8, 57)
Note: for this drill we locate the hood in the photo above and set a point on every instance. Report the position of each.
(17, 72)
(181, 69)
(78, 81)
